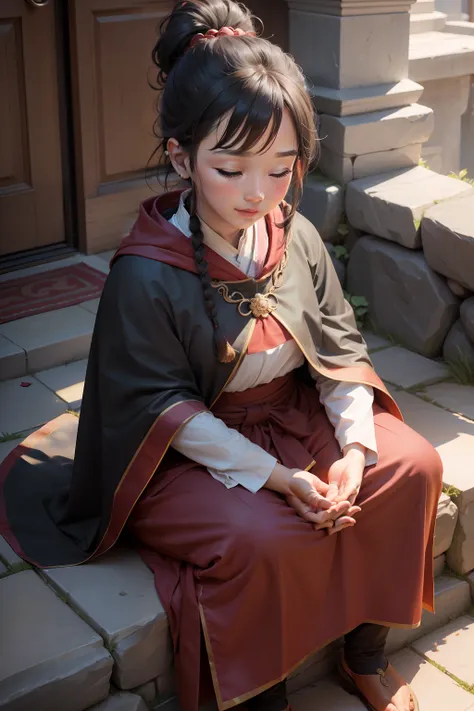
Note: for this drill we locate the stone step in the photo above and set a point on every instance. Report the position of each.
(435, 691)
(47, 651)
(116, 596)
(452, 599)
(52, 338)
(422, 7)
(453, 438)
(427, 22)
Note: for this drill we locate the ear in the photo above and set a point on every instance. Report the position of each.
(179, 159)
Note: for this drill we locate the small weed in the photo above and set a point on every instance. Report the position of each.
(341, 252)
(462, 175)
(423, 164)
(417, 224)
(10, 436)
(73, 412)
(462, 369)
(451, 491)
(360, 306)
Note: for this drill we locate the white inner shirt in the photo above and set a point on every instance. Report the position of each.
(229, 456)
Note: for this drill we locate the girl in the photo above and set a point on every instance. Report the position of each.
(228, 417)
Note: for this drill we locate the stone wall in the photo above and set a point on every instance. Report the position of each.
(411, 239)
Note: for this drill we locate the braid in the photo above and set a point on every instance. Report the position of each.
(225, 352)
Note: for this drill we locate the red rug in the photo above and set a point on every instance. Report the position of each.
(48, 291)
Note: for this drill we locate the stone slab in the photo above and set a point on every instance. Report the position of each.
(344, 169)
(406, 298)
(453, 396)
(12, 359)
(453, 437)
(427, 22)
(90, 306)
(148, 692)
(52, 338)
(447, 232)
(446, 520)
(452, 598)
(327, 694)
(47, 651)
(122, 701)
(452, 647)
(439, 565)
(22, 408)
(435, 691)
(467, 317)
(66, 381)
(435, 56)
(323, 204)
(377, 131)
(407, 369)
(392, 205)
(365, 99)
(375, 342)
(117, 596)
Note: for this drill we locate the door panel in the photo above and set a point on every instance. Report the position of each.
(31, 198)
(116, 109)
(275, 17)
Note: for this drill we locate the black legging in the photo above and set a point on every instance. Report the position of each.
(363, 653)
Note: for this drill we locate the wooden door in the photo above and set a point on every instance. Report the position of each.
(31, 198)
(275, 17)
(114, 106)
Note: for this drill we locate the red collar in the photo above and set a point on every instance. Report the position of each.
(154, 237)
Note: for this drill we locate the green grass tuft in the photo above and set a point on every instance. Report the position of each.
(462, 370)
(451, 490)
(10, 436)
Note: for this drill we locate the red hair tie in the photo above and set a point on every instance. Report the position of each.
(223, 32)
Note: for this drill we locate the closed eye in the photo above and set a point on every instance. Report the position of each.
(237, 173)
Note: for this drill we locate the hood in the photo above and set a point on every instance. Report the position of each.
(152, 236)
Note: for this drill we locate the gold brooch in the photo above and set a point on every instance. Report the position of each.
(260, 305)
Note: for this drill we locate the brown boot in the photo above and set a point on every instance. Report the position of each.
(384, 691)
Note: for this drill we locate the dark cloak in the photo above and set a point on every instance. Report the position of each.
(152, 367)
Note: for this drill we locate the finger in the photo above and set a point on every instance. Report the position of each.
(347, 522)
(322, 526)
(339, 509)
(316, 501)
(305, 511)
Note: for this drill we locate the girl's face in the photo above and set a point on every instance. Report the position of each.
(234, 189)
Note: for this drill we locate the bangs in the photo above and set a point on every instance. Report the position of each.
(258, 113)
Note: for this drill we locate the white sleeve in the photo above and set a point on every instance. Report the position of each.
(229, 457)
(349, 409)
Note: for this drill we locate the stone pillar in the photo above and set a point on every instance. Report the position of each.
(355, 55)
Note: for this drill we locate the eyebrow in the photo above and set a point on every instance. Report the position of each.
(281, 154)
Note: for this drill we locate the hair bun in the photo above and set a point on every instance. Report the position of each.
(190, 18)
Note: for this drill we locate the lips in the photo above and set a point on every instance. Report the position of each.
(248, 212)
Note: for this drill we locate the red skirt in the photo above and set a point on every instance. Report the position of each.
(259, 582)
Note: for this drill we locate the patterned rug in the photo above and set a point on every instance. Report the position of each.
(48, 291)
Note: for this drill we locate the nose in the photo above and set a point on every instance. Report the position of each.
(255, 197)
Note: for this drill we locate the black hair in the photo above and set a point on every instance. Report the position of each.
(246, 78)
